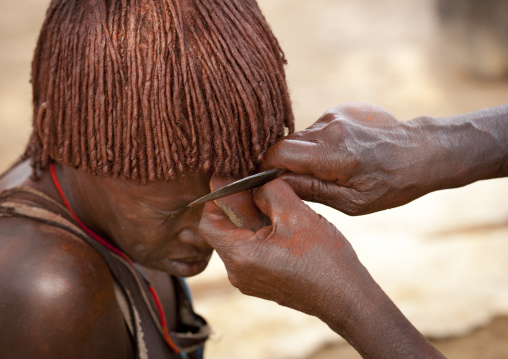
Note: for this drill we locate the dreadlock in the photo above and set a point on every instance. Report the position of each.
(153, 89)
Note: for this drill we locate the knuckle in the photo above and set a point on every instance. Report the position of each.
(234, 280)
(354, 211)
(354, 207)
(333, 113)
(337, 127)
(312, 190)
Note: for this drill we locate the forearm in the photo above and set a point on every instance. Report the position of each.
(376, 328)
(462, 149)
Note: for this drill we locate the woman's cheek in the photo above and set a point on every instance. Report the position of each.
(140, 235)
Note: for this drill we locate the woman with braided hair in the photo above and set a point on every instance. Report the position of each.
(135, 105)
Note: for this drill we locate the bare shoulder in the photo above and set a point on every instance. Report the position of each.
(56, 296)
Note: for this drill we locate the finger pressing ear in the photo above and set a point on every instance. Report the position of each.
(217, 229)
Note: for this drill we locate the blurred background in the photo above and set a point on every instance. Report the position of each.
(443, 258)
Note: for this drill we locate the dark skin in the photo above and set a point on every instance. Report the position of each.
(59, 289)
(67, 281)
(303, 262)
(358, 159)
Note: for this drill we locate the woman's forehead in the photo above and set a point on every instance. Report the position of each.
(184, 189)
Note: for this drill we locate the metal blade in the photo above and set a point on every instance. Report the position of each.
(244, 184)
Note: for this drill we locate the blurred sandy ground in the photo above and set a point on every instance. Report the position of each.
(442, 258)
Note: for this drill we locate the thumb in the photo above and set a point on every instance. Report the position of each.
(276, 199)
(216, 228)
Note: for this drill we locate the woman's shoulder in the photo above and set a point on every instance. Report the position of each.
(57, 288)
(46, 246)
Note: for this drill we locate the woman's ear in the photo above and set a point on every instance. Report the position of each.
(41, 116)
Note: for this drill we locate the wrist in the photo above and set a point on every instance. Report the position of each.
(435, 158)
(462, 149)
(417, 165)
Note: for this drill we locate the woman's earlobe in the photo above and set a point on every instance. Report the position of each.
(41, 115)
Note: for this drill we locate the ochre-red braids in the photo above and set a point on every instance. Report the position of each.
(154, 89)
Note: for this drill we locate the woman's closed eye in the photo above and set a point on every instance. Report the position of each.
(167, 214)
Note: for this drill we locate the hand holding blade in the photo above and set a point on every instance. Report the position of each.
(243, 184)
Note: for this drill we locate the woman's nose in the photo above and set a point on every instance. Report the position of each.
(192, 237)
